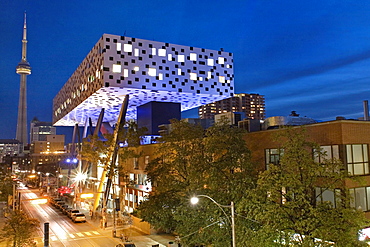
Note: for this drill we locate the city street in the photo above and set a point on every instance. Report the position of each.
(62, 231)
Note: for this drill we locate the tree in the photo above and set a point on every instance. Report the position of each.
(285, 201)
(193, 161)
(19, 229)
(6, 188)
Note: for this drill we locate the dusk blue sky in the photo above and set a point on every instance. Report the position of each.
(312, 57)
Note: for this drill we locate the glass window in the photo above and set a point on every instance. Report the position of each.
(357, 159)
(272, 156)
(327, 195)
(221, 60)
(193, 57)
(329, 153)
(162, 52)
(154, 51)
(193, 76)
(119, 46)
(116, 68)
(125, 72)
(221, 79)
(210, 62)
(360, 198)
(181, 58)
(152, 72)
(136, 52)
(127, 48)
(169, 57)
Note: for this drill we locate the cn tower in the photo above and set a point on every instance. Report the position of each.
(23, 69)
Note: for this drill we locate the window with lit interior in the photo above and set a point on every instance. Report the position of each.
(357, 159)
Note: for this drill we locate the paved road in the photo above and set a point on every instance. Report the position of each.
(62, 231)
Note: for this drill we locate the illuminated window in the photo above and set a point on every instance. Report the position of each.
(193, 57)
(125, 72)
(357, 159)
(136, 68)
(209, 75)
(136, 52)
(221, 60)
(127, 48)
(178, 71)
(193, 76)
(161, 52)
(119, 46)
(221, 79)
(210, 62)
(116, 68)
(228, 66)
(181, 58)
(152, 72)
(154, 51)
(169, 57)
(160, 76)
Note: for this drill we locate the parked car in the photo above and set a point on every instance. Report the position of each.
(66, 209)
(59, 204)
(73, 212)
(63, 208)
(54, 200)
(79, 218)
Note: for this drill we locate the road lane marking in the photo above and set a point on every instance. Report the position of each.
(80, 234)
(96, 233)
(71, 235)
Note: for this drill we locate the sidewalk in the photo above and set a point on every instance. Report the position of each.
(134, 235)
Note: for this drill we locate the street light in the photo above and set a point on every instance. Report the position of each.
(195, 200)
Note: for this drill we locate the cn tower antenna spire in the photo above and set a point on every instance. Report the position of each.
(23, 69)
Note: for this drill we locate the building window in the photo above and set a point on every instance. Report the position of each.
(327, 195)
(193, 76)
(116, 68)
(127, 48)
(119, 46)
(162, 52)
(136, 52)
(360, 198)
(193, 57)
(327, 153)
(272, 156)
(181, 58)
(357, 159)
(152, 72)
(136, 163)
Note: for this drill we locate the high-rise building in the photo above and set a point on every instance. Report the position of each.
(23, 69)
(252, 105)
(40, 130)
(146, 71)
(10, 147)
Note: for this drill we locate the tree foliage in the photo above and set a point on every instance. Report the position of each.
(19, 229)
(6, 188)
(284, 201)
(193, 161)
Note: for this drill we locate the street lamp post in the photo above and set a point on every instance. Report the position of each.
(195, 200)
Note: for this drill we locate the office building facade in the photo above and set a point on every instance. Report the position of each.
(252, 105)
